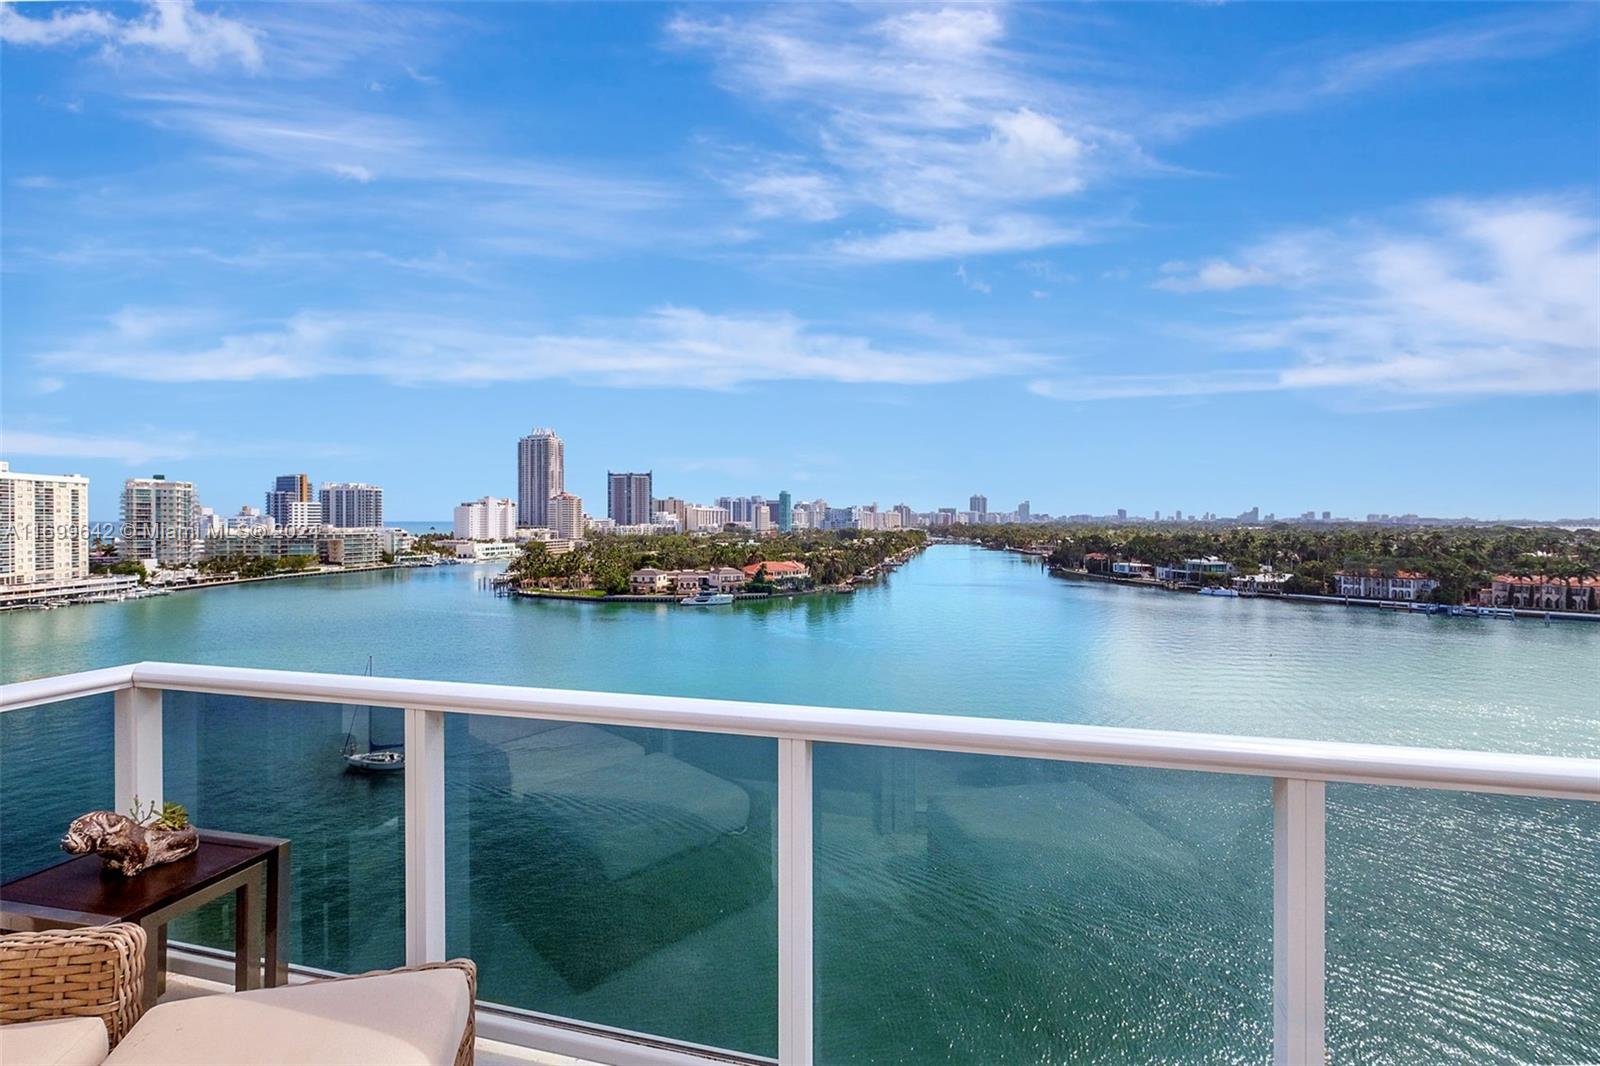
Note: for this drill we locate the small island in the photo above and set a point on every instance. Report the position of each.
(664, 568)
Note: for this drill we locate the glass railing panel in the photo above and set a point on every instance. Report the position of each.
(1461, 927)
(56, 762)
(278, 768)
(621, 877)
(979, 909)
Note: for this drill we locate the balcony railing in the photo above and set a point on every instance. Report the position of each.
(1299, 772)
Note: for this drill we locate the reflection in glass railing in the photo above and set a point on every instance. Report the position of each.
(279, 768)
(982, 909)
(56, 763)
(623, 877)
(1462, 927)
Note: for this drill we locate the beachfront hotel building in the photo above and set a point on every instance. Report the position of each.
(351, 505)
(541, 474)
(44, 527)
(160, 522)
(566, 516)
(486, 518)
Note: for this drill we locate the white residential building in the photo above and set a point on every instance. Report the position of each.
(697, 519)
(44, 527)
(351, 505)
(541, 474)
(566, 516)
(301, 515)
(487, 518)
(159, 519)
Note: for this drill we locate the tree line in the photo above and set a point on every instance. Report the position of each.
(607, 560)
(1461, 558)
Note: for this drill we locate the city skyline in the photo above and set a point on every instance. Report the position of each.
(1147, 257)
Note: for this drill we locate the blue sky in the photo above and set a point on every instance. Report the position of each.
(1201, 256)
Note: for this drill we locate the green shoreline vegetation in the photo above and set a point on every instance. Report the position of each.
(605, 561)
(1462, 559)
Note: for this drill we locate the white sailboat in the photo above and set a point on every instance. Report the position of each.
(379, 758)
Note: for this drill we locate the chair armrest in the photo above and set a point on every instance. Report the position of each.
(94, 972)
(469, 970)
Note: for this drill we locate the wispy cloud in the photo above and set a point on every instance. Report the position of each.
(1527, 31)
(175, 27)
(1464, 298)
(130, 450)
(923, 117)
(672, 347)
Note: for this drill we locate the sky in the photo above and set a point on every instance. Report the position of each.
(1196, 256)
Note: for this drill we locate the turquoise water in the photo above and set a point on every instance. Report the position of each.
(968, 909)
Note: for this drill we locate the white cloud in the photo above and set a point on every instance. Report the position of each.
(1466, 298)
(1525, 31)
(173, 26)
(132, 451)
(672, 347)
(923, 116)
(806, 196)
(1007, 233)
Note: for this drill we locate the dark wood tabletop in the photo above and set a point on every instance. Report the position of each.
(83, 884)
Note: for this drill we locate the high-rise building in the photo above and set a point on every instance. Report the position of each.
(628, 498)
(44, 527)
(1024, 511)
(541, 474)
(351, 505)
(785, 511)
(159, 521)
(978, 504)
(566, 516)
(489, 518)
(286, 490)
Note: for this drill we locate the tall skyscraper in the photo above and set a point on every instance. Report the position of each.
(1024, 511)
(287, 490)
(566, 515)
(785, 511)
(541, 474)
(628, 498)
(159, 521)
(351, 505)
(978, 504)
(44, 527)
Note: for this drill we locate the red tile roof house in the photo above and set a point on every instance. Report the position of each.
(779, 571)
(1542, 593)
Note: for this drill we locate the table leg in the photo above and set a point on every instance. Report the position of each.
(152, 965)
(247, 934)
(279, 893)
(161, 954)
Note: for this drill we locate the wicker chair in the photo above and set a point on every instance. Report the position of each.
(98, 972)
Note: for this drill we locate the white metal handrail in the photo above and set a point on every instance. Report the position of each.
(1300, 770)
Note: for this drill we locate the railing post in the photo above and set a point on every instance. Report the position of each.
(137, 744)
(795, 1023)
(424, 836)
(1298, 913)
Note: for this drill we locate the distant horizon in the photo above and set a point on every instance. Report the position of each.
(1296, 256)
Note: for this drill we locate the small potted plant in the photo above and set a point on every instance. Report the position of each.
(132, 843)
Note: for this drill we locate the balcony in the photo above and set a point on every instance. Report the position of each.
(652, 879)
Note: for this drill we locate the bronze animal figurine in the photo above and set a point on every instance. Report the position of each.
(126, 846)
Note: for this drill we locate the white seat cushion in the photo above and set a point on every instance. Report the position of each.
(56, 1042)
(408, 1019)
